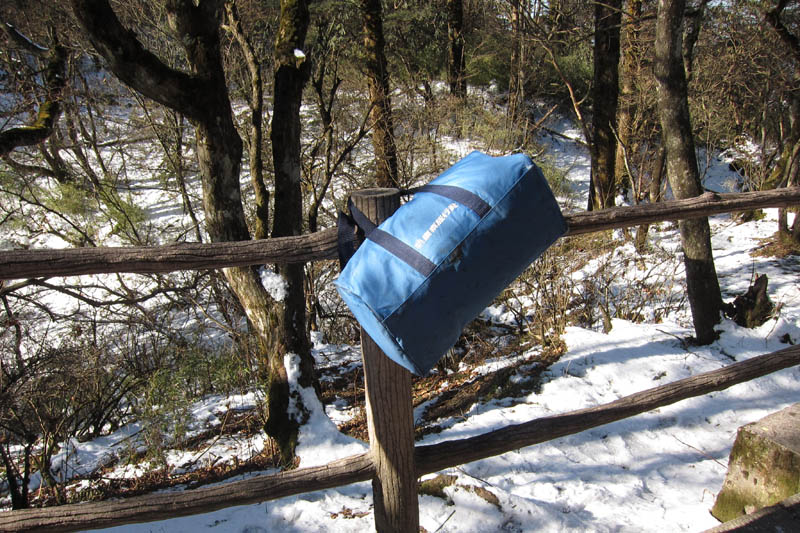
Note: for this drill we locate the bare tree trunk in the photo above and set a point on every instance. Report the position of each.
(180, 175)
(786, 174)
(291, 74)
(701, 276)
(17, 483)
(654, 194)
(786, 170)
(691, 35)
(456, 58)
(629, 56)
(386, 174)
(325, 107)
(256, 130)
(605, 94)
(202, 97)
(516, 80)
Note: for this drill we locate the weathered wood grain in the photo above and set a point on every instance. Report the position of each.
(390, 415)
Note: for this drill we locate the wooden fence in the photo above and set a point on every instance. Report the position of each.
(395, 510)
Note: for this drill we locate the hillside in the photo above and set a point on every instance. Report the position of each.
(666, 465)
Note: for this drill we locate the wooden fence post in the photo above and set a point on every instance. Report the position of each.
(390, 416)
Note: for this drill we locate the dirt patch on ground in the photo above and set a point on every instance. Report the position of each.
(449, 393)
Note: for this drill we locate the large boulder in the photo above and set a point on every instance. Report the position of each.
(764, 465)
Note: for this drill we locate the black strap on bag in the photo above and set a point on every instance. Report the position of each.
(353, 228)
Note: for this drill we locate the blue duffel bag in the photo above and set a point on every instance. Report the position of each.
(442, 257)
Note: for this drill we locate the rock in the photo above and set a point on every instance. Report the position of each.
(764, 465)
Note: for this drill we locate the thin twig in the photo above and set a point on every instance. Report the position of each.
(445, 521)
(701, 452)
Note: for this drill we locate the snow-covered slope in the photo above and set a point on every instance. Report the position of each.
(656, 472)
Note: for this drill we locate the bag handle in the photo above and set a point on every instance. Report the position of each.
(458, 194)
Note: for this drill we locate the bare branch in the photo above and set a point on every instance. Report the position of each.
(136, 66)
(22, 40)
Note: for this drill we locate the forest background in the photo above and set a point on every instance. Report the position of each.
(256, 119)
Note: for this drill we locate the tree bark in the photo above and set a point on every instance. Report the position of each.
(49, 110)
(291, 74)
(692, 34)
(605, 95)
(456, 58)
(705, 299)
(256, 129)
(516, 80)
(629, 72)
(654, 193)
(381, 122)
(17, 484)
(786, 169)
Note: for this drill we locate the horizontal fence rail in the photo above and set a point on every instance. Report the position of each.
(431, 458)
(19, 264)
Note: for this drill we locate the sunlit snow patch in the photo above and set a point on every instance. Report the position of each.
(274, 283)
(320, 441)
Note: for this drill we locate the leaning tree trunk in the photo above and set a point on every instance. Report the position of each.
(605, 94)
(386, 174)
(201, 96)
(673, 107)
(55, 77)
(291, 73)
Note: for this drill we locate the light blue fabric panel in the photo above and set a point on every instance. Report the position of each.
(378, 272)
(418, 218)
(488, 177)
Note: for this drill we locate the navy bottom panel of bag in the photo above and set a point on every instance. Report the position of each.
(374, 326)
(517, 231)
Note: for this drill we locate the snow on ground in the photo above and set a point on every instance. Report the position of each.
(655, 472)
(82, 458)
